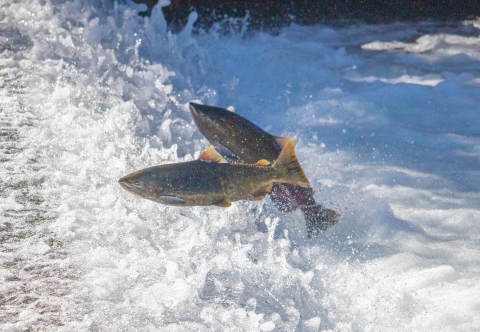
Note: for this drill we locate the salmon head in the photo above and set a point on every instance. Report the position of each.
(214, 120)
(150, 183)
(234, 136)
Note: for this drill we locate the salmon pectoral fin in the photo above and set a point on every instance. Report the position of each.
(224, 202)
(261, 193)
(171, 200)
(211, 155)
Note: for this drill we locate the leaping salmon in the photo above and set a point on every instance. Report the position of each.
(238, 139)
(210, 180)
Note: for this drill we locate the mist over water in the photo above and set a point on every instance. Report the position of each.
(386, 122)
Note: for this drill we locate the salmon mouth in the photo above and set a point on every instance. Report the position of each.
(126, 185)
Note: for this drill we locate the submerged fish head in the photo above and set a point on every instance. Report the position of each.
(143, 183)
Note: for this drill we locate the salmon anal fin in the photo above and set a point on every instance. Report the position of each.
(281, 141)
(211, 155)
(262, 162)
(224, 202)
(261, 193)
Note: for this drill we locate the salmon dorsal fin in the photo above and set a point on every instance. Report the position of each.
(210, 155)
(262, 162)
(281, 141)
(261, 193)
(293, 171)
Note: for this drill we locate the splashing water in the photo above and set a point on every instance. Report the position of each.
(386, 119)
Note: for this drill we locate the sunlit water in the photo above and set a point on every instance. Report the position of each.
(387, 126)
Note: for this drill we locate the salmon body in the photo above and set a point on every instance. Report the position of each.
(238, 139)
(210, 180)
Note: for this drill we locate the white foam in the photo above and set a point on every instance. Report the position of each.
(429, 80)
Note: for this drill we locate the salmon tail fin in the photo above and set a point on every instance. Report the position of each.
(291, 170)
(319, 220)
